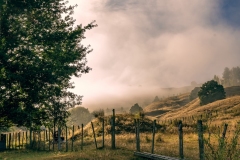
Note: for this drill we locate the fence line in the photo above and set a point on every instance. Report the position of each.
(39, 139)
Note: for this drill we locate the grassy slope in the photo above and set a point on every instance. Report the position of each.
(179, 106)
(227, 110)
(165, 105)
(229, 106)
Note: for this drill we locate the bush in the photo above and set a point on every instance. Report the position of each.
(98, 114)
(226, 148)
(211, 91)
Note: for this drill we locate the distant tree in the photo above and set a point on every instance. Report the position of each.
(194, 93)
(227, 77)
(217, 79)
(230, 77)
(235, 76)
(136, 109)
(156, 99)
(211, 91)
(79, 115)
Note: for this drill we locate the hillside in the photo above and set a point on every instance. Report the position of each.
(172, 108)
(232, 91)
(166, 105)
(175, 103)
(226, 110)
(124, 124)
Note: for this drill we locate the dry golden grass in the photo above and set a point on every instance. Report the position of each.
(226, 110)
(214, 115)
(168, 103)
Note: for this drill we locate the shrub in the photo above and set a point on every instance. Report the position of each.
(226, 148)
(98, 114)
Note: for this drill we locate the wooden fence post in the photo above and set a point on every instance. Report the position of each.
(27, 138)
(59, 139)
(15, 140)
(94, 136)
(19, 140)
(66, 139)
(44, 138)
(135, 124)
(113, 130)
(103, 132)
(153, 136)
(82, 139)
(30, 135)
(137, 134)
(6, 141)
(72, 136)
(53, 138)
(22, 138)
(180, 140)
(200, 140)
(49, 142)
(9, 141)
(39, 140)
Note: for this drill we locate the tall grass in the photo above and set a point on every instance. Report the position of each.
(219, 146)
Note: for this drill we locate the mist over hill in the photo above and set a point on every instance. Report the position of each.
(141, 95)
(180, 105)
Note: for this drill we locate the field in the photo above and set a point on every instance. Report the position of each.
(218, 145)
(165, 144)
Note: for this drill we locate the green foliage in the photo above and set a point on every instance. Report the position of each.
(194, 93)
(211, 91)
(136, 109)
(226, 148)
(39, 53)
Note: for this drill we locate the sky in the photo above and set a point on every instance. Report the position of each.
(141, 46)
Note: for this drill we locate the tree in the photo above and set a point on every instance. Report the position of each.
(79, 115)
(194, 93)
(40, 51)
(210, 92)
(217, 79)
(156, 99)
(227, 77)
(235, 75)
(136, 109)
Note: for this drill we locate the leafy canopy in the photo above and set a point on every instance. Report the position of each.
(40, 50)
(211, 91)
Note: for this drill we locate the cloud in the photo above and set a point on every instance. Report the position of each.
(154, 44)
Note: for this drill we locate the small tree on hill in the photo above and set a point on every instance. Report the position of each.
(136, 109)
(210, 92)
(194, 93)
(156, 99)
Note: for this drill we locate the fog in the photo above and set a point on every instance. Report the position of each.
(142, 46)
